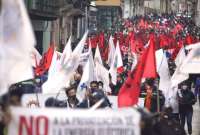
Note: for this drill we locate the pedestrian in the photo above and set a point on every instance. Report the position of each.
(186, 99)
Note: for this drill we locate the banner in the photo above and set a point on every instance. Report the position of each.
(26, 121)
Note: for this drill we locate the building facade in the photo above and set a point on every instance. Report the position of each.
(55, 20)
(141, 7)
(107, 13)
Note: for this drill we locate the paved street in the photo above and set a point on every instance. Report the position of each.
(196, 120)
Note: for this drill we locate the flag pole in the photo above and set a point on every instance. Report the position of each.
(158, 101)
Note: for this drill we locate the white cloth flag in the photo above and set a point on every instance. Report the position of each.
(87, 77)
(102, 74)
(97, 56)
(111, 51)
(134, 61)
(178, 75)
(61, 77)
(78, 50)
(191, 63)
(165, 78)
(159, 58)
(192, 46)
(85, 56)
(54, 65)
(172, 100)
(116, 63)
(66, 52)
(35, 57)
(16, 43)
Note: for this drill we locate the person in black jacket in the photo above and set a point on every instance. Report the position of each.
(153, 95)
(186, 99)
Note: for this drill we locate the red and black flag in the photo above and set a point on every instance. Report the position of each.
(45, 62)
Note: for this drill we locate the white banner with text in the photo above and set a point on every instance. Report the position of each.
(46, 121)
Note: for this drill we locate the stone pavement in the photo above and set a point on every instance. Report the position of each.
(196, 120)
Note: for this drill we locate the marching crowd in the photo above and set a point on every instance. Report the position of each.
(171, 33)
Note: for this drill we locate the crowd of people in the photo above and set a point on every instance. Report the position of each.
(171, 33)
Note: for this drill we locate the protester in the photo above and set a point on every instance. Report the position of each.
(186, 100)
(72, 100)
(151, 99)
(166, 125)
(94, 98)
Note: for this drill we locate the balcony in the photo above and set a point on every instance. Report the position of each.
(44, 9)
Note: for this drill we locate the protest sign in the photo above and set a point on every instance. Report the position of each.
(37, 121)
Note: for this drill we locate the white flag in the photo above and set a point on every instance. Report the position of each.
(66, 52)
(16, 43)
(61, 77)
(54, 65)
(97, 56)
(102, 74)
(111, 51)
(159, 58)
(191, 63)
(178, 75)
(192, 46)
(87, 77)
(116, 63)
(165, 78)
(35, 57)
(134, 60)
(79, 48)
(85, 56)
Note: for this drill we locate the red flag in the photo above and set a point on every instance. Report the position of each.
(163, 41)
(93, 41)
(176, 50)
(45, 62)
(189, 39)
(141, 24)
(132, 43)
(150, 66)
(101, 40)
(115, 39)
(121, 39)
(104, 53)
(130, 90)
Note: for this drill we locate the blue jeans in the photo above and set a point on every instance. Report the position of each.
(187, 115)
